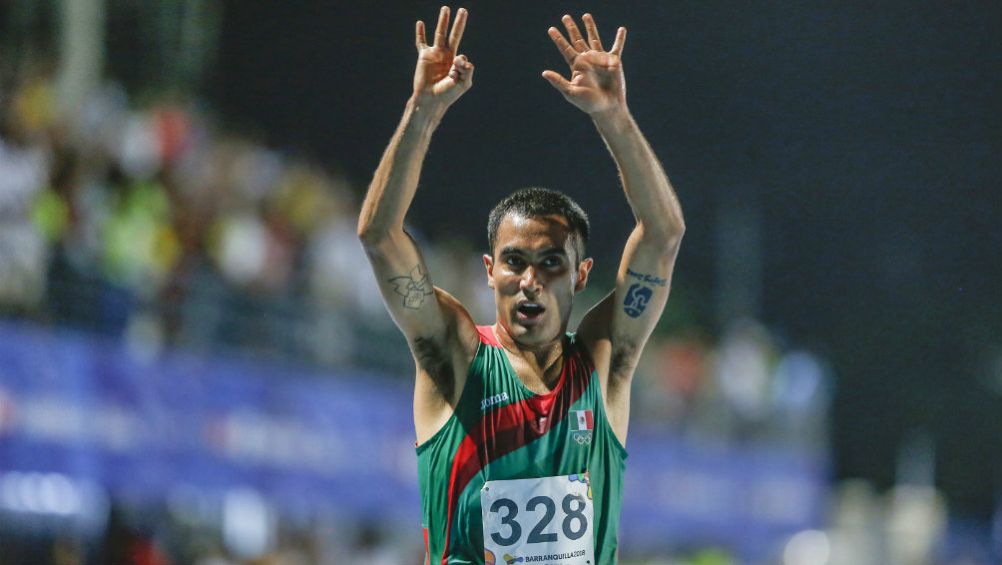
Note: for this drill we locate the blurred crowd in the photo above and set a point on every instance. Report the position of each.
(150, 222)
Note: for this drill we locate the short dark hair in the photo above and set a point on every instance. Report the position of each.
(534, 202)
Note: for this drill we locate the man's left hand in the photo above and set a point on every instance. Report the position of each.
(597, 85)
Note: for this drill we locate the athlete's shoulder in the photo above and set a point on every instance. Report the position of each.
(487, 336)
(461, 330)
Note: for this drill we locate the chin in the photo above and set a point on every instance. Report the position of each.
(534, 334)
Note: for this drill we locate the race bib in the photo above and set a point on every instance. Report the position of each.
(549, 520)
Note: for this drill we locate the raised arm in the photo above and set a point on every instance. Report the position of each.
(618, 327)
(426, 315)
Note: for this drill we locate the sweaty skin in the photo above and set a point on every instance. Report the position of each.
(534, 269)
(440, 332)
(536, 263)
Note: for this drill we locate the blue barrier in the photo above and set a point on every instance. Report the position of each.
(87, 407)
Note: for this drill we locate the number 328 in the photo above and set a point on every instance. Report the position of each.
(574, 524)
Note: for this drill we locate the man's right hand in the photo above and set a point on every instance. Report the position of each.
(441, 76)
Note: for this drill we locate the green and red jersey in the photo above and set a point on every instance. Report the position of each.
(500, 430)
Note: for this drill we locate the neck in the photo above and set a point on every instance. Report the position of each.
(545, 358)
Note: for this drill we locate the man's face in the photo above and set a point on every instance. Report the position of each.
(535, 273)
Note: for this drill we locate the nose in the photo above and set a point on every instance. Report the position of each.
(529, 281)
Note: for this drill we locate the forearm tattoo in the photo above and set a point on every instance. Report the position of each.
(414, 287)
(636, 300)
(649, 279)
(639, 294)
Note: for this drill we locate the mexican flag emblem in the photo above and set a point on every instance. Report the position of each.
(582, 422)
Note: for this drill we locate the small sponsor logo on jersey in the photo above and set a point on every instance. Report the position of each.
(582, 422)
(582, 478)
(492, 400)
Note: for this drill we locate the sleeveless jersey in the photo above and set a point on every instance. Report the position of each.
(500, 430)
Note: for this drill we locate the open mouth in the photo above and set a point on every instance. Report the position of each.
(528, 311)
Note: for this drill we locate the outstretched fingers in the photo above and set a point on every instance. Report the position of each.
(617, 46)
(565, 48)
(593, 39)
(578, 44)
(574, 33)
(442, 28)
(419, 39)
(558, 82)
(457, 30)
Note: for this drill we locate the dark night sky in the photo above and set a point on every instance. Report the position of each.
(868, 137)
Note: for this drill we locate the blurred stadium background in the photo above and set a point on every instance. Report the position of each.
(196, 368)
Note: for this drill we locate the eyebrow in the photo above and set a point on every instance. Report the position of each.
(509, 250)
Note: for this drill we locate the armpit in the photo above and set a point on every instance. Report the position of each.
(434, 358)
(623, 361)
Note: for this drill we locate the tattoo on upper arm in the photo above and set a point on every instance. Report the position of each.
(636, 300)
(414, 287)
(649, 279)
(639, 294)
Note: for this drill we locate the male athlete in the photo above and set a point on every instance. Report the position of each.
(521, 425)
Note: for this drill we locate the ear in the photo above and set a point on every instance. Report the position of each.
(583, 270)
(489, 265)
